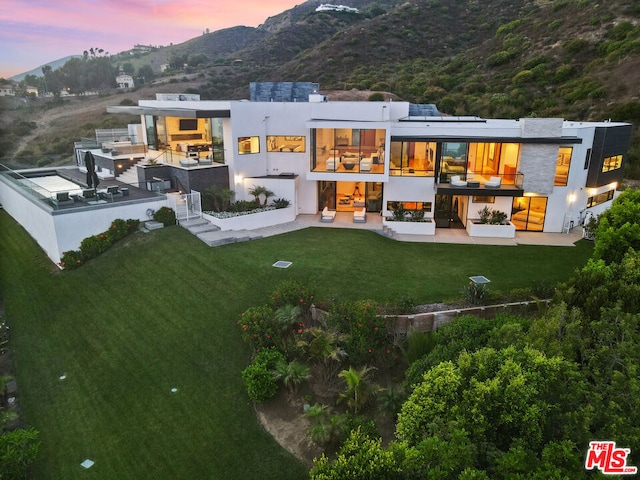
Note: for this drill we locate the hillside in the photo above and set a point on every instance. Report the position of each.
(576, 59)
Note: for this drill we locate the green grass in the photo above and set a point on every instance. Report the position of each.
(159, 311)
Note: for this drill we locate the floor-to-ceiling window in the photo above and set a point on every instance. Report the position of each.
(528, 213)
(152, 133)
(348, 150)
(350, 196)
(412, 158)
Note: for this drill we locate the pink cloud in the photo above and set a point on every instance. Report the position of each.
(34, 32)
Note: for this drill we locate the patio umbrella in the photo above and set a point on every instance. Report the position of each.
(89, 163)
(92, 176)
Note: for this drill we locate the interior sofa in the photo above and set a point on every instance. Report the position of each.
(332, 163)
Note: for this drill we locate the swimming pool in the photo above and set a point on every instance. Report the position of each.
(48, 185)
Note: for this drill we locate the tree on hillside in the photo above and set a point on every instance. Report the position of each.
(619, 228)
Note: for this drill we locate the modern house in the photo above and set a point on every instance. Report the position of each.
(545, 174)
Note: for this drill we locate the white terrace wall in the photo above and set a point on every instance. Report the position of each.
(60, 231)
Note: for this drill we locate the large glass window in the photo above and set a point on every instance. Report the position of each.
(494, 159)
(248, 145)
(600, 198)
(153, 136)
(347, 150)
(612, 163)
(282, 143)
(562, 166)
(216, 137)
(528, 213)
(409, 206)
(453, 161)
(412, 158)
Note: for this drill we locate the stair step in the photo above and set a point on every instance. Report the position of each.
(199, 229)
(194, 222)
(151, 225)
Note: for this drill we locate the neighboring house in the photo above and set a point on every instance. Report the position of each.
(326, 7)
(125, 81)
(32, 91)
(545, 174)
(6, 91)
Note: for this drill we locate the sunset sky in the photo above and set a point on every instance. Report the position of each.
(34, 32)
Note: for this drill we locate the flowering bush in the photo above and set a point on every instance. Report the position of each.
(258, 328)
(291, 292)
(94, 245)
(166, 216)
(365, 332)
(71, 259)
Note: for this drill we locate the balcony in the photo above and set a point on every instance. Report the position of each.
(504, 185)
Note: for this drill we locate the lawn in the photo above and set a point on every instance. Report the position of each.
(159, 310)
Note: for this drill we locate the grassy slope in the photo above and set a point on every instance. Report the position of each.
(159, 311)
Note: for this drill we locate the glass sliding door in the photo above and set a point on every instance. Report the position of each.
(528, 213)
(444, 211)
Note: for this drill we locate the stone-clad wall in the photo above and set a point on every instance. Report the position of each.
(538, 164)
(538, 161)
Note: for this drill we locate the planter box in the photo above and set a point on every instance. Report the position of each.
(492, 231)
(254, 220)
(428, 227)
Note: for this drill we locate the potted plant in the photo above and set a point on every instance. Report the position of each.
(491, 223)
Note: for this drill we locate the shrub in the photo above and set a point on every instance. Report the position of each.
(365, 333)
(166, 216)
(291, 292)
(501, 58)
(71, 259)
(94, 245)
(258, 327)
(524, 76)
(281, 203)
(475, 293)
(258, 377)
(376, 97)
(18, 450)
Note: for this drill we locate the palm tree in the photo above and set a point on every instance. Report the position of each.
(324, 346)
(358, 390)
(267, 195)
(256, 191)
(287, 316)
(317, 412)
(291, 374)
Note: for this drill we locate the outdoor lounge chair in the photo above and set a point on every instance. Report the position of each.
(62, 198)
(109, 192)
(493, 182)
(456, 182)
(327, 215)
(360, 215)
(87, 195)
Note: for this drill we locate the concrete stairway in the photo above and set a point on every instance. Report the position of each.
(130, 175)
(387, 232)
(212, 235)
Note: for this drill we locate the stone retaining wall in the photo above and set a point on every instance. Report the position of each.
(431, 321)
